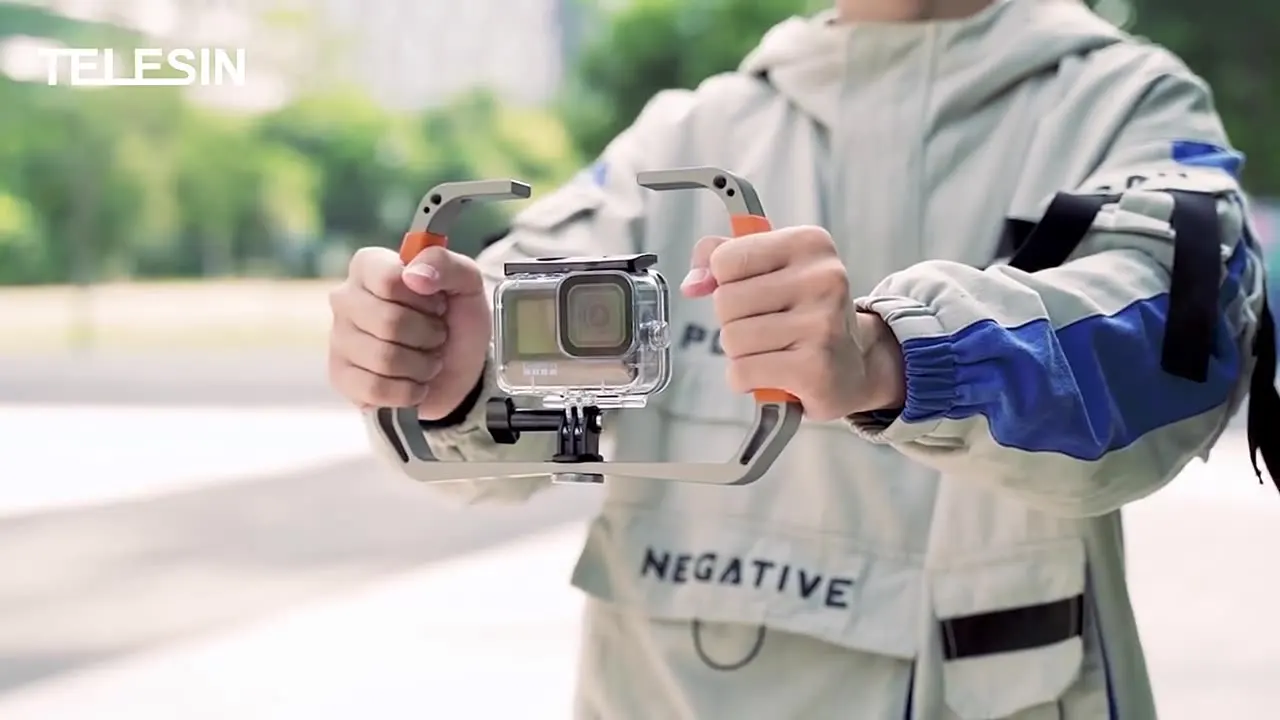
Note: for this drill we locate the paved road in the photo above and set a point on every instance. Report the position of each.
(188, 378)
(87, 582)
(86, 585)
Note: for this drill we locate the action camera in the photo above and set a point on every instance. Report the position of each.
(583, 330)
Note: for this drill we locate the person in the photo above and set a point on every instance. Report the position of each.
(942, 538)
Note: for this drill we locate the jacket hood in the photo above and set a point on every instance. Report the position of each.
(811, 59)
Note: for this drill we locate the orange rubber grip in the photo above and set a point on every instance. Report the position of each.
(415, 242)
(749, 225)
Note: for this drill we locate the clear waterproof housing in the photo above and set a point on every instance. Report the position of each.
(583, 331)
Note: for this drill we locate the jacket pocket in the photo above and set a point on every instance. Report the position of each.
(729, 572)
(1012, 630)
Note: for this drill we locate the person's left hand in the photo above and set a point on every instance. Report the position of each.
(788, 322)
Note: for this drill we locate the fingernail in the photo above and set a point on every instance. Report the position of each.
(423, 271)
(696, 276)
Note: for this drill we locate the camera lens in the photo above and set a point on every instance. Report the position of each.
(596, 315)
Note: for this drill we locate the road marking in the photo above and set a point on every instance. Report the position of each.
(56, 457)
(491, 635)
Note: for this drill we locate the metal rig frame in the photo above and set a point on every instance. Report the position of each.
(398, 434)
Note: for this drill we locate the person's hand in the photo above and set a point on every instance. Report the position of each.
(788, 322)
(414, 335)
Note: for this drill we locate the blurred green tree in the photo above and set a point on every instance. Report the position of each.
(645, 46)
(476, 136)
(373, 166)
(1231, 44)
(345, 134)
(62, 160)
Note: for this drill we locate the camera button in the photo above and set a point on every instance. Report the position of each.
(657, 334)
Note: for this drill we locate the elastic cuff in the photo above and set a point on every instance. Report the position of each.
(929, 365)
(931, 380)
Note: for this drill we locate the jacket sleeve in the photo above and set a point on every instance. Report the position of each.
(1049, 386)
(600, 212)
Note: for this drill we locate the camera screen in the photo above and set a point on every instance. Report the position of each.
(597, 315)
(535, 326)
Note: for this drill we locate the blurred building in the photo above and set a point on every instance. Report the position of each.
(152, 23)
(416, 53)
(407, 54)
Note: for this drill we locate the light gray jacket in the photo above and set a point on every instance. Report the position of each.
(963, 560)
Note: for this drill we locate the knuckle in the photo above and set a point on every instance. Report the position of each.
(429, 366)
(723, 301)
(338, 299)
(830, 279)
(389, 321)
(362, 258)
(719, 260)
(814, 238)
(382, 281)
(435, 304)
(388, 357)
(438, 257)
(437, 332)
(371, 261)
(703, 250)
(731, 260)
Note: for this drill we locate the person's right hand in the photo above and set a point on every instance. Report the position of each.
(414, 335)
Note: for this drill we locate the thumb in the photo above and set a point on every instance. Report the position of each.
(699, 282)
(438, 270)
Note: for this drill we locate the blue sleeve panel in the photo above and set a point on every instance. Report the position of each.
(1082, 390)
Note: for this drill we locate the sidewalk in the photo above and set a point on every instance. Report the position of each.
(60, 457)
(490, 636)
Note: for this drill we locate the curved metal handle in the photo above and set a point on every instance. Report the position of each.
(746, 216)
(441, 206)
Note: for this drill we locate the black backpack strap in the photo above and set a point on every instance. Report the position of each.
(1264, 401)
(1194, 286)
(1014, 236)
(1193, 298)
(1193, 295)
(1048, 243)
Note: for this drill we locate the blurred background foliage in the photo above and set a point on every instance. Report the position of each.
(144, 183)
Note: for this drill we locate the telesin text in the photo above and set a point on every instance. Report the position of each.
(150, 67)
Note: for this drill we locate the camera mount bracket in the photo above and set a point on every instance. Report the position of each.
(398, 434)
(577, 428)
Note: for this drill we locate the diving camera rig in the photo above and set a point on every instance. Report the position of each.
(578, 423)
